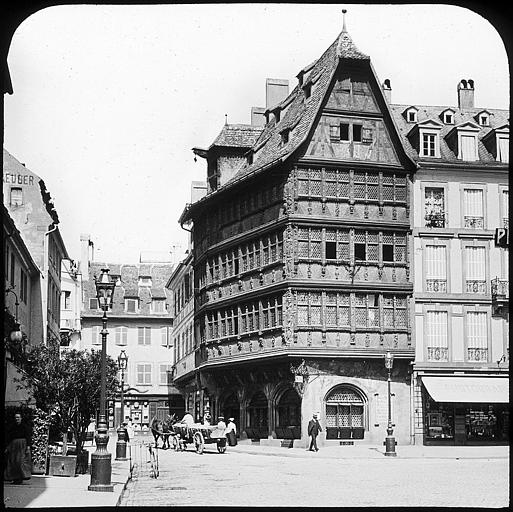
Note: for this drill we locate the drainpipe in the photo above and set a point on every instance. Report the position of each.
(44, 289)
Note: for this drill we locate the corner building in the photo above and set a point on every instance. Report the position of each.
(302, 262)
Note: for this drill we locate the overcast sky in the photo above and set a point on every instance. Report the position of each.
(109, 100)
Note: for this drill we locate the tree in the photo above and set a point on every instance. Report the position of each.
(67, 385)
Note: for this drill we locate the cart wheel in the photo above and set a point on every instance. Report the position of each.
(199, 442)
(176, 444)
(221, 447)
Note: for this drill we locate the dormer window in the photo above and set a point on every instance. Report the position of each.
(468, 147)
(496, 141)
(429, 143)
(448, 116)
(425, 137)
(308, 90)
(285, 136)
(483, 118)
(503, 148)
(277, 113)
(411, 115)
(144, 281)
(462, 139)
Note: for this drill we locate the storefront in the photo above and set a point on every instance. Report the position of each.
(465, 410)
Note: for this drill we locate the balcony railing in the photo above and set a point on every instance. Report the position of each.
(438, 354)
(477, 354)
(475, 286)
(435, 220)
(505, 222)
(500, 289)
(474, 222)
(436, 285)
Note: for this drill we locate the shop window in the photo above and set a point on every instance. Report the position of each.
(439, 421)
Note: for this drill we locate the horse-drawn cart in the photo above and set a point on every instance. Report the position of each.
(198, 435)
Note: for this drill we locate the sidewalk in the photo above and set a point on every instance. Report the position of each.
(60, 491)
(366, 451)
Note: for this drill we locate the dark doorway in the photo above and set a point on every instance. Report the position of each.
(258, 419)
(288, 421)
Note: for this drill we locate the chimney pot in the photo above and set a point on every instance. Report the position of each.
(466, 94)
(387, 90)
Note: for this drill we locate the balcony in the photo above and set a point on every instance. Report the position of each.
(438, 354)
(479, 355)
(435, 220)
(500, 294)
(436, 285)
(474, 222)
(475, 286)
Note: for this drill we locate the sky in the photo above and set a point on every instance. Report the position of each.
(109, 100)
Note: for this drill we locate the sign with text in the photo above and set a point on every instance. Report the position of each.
(502, 237)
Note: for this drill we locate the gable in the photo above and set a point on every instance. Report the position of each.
(353, 108)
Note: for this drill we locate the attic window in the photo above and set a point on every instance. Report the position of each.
(308, 90)
(249, 156)
(277, 115)
(285, 136)
(484, 119)
(411, 115)
(448, 118)
(144, 281)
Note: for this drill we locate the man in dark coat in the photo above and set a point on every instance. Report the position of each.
(17, 453)
(314, 427)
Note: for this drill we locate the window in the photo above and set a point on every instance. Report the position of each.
(143, 374)
(475, 269)
(357, 133)
(16, 196)
(468, 148)
(13, 271)
(158, 305)
(66, 295)
(484, 119)
(164, 374)
(411, 116)
(93, 303)
(505, 207)
(344, 411)
(477, 339)
(144, 335)
(165, 337)
(23, 286)
(473, 216)
(285, 136)
(95, 335)
(434, 204)
(334, 133)
(144, 281)
(435, 262)
(448, 118)
(503, 149)
(344, 131)
(131, 305)
(121, 335)
(429, 141)
(436, 336)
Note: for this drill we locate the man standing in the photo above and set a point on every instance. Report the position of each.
(314, 427)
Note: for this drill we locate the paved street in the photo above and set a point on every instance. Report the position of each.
(311, 479)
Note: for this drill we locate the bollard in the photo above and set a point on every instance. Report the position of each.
(121, 444)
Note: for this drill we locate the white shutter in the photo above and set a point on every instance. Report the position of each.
(476, 330)
(436, 329)
(476, 270)
(473, 202)
(468, 147)
(435, 262)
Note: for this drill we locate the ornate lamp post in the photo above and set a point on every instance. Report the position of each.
(121, 444)
(390, 439)
(101, 469)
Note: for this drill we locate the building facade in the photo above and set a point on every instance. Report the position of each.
(461, 284)
(140, 323)
(302, 261)
(23, 307)
(34, 214)
(71, 305)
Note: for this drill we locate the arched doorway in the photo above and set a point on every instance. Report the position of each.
(345, 413)
(231, 409)
(258, 418)
(288, 417)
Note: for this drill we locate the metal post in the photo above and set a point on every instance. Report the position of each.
(390, 440)
(101, 467)
(121, 443)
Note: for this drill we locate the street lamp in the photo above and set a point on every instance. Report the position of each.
(121, 444)
(390, 439)
(101, 469)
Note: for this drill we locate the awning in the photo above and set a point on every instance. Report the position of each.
(493, 390)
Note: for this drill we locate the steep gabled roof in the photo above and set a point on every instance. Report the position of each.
(237, 135)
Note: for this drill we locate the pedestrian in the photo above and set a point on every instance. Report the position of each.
(314, 427)
(221, 423)
(231, 432)
(206, 419)
(125, 428)
(18, 464)
(91, 429)
(188, 419)
(129, 428)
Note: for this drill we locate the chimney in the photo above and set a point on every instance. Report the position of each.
(466, 94)
(257, 116)
(276, 90)
(86, 255)
(387, 90)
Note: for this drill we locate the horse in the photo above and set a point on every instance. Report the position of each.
(162, 429)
